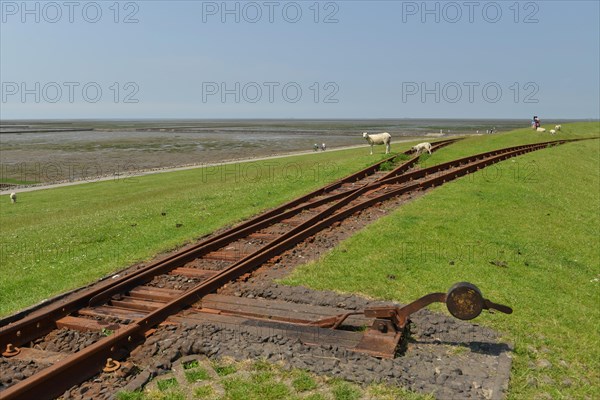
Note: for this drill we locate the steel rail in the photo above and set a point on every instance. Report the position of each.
(458, 162)
(33, 327)
(35, 331)
(40, 323)
(159, 269)
(54, 380)
(377, 184)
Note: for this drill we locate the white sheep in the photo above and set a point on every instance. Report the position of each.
(552, 131)
(557, 128)
(379, 138)
(541, 129)
(13, 197)
(422, 146)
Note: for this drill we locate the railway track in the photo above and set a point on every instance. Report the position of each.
(131, 306)
(219, 246)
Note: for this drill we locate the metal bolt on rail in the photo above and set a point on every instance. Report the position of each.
(11, 350)
(111, 365)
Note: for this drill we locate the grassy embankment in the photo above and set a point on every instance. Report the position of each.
(59, 239)
(526, 231)
(538, 216)
(12, 181)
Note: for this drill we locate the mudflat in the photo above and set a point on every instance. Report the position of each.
(59, 151)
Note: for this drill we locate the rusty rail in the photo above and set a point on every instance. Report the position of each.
(53, 381)
(38, 324)
(248, 228)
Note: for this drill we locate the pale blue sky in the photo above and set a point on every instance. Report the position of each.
(375, 60)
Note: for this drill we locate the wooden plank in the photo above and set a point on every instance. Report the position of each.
(264, 236)
(170, 291)
(193, 272)
(257, 311)
(216, 256)
(277, 309)
(107, 311)
(150, 293)
(307, 334)
(136, 304)
(295, 221)
(86, 325)
(224, 256)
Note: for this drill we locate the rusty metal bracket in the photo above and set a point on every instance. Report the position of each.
(463, 300)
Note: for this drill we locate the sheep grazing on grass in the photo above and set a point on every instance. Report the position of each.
(557, 128)
(552, 131)
(422, 146)
(379, 138)
(541, 130)
(13, 197)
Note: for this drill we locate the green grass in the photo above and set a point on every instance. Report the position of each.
(256, 387)
(197, 375)
(16, 181)
(203, 392)
(262, 365)
(166, 384)
(315, 396)
(389, 392)
(261, 380)
(130, 395)
(172, 395)
(72, 236)
(390, 165)
(224, 369)
(191, 364)
(343, 390)
(387, 166)
(303, 382)
(538, 216)
(480, 144)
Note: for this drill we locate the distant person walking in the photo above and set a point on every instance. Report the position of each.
(323, 147)
(316, 147)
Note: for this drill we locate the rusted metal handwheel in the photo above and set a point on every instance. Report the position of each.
(465, 301)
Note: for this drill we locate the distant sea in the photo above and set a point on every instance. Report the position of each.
(403, 127)
(54, 151)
